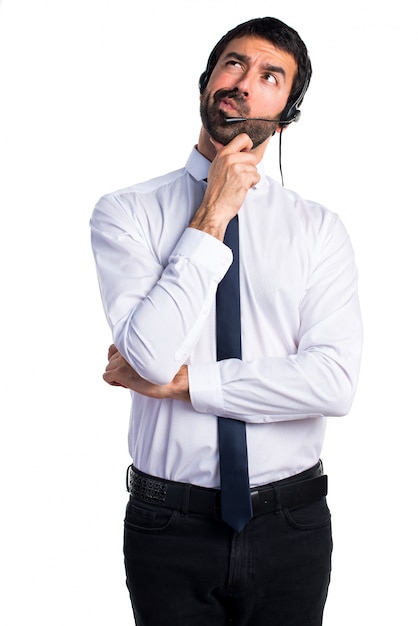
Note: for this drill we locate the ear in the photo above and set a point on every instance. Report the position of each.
(280, 128)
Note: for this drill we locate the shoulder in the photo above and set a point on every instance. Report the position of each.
(309, 214)
(131, 201)
(148, 187)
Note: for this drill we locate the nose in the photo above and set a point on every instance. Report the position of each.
(243, 84)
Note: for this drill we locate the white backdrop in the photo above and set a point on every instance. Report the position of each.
(99, 94)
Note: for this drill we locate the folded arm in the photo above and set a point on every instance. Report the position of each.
(120, 374)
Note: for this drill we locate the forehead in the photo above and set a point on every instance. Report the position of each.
(260, 50)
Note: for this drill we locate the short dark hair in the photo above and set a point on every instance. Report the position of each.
(279, 34)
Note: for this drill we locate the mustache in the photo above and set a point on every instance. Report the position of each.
(233, 94)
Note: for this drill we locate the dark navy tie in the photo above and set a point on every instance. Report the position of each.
(236, 508)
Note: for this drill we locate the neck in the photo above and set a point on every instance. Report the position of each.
(205, 146)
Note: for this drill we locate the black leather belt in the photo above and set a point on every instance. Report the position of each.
(289, 493)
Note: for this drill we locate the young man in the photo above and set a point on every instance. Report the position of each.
(160, 255)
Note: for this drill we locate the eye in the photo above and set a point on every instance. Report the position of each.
(234, 63)
(271, 78)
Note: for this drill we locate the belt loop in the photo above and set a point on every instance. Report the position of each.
(128, 475)
(277, 499)
(185, 505)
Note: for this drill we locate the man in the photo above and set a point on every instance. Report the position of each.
(160, 259)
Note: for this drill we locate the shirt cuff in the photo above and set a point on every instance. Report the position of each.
(205, 388)
(203, 249)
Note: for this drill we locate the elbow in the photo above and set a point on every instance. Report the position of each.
(339, 408)
(340, 400)
(337, 385)
(153, 370)
(158, 376)
(148, 364)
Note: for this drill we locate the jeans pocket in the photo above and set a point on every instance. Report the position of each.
(144, 517)
(311, 516)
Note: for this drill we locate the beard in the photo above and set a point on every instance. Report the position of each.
(213, 119)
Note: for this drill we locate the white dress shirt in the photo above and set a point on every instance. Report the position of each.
(301, 323)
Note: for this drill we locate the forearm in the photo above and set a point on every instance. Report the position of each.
(177, 389)
(274, 389)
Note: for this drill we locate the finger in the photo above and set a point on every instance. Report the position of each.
(240, 143)
(112, 350)
(110, 381)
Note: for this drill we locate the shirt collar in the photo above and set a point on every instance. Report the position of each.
(198, 166)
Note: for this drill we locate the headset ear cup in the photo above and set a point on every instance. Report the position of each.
(203, 81)
(291, 113)
(286, 117)
(297, 115)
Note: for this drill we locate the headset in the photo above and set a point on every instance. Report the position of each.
(291, 112)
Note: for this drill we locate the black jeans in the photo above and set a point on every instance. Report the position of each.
(193, 570)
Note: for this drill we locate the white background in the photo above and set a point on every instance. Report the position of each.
(100, 94)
